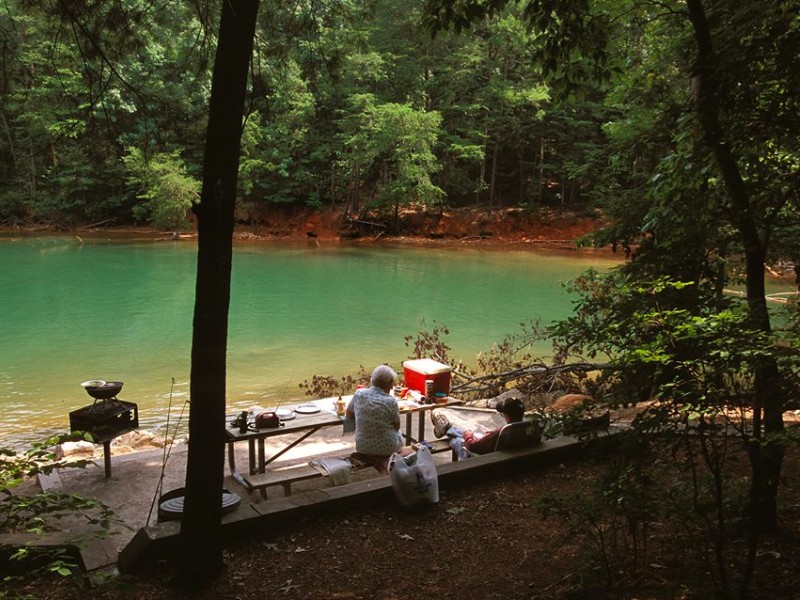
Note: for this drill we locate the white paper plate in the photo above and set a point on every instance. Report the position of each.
(307, 409)
(284, 414)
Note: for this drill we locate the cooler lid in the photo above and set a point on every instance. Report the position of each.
(426, 366)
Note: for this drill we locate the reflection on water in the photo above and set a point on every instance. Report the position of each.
(86, 309)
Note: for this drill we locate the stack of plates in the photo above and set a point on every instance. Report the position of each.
(284, 414)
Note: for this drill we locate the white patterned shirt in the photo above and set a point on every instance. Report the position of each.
(377, 418)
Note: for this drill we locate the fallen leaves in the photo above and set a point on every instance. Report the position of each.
(288, 586)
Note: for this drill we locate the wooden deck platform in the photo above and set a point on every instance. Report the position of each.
(160, 540)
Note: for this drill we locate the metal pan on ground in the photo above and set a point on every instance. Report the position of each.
(170, 505)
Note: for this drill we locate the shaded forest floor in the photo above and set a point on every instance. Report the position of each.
(489, 540)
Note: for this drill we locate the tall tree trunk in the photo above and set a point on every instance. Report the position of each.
(32, 174)
(766, 457)
(493, 174)
(333, 185)
(201, 529)
(10, 141)
(482, 182)
(541, 171)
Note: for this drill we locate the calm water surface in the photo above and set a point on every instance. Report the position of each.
(74, 310)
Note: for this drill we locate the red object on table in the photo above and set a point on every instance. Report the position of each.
(417, 371)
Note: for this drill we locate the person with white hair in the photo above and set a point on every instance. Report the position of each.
(377, 419)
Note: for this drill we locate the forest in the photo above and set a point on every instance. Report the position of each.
(677, 120)
(355, 104)
(350, 104)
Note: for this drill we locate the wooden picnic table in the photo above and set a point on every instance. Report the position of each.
(302, 425)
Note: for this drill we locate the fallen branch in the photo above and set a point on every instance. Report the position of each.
(98, 224)
(370, 223)
(491, 381)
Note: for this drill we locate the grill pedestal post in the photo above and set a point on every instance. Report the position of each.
(107, 458)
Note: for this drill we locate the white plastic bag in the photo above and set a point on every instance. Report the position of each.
(414, 478)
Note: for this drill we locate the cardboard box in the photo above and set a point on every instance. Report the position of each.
(416, 371)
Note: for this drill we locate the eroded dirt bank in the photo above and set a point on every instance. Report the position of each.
(464, 226)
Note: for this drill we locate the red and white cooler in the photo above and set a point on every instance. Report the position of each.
(417, 371)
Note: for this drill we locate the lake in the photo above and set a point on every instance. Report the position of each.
(78, 309)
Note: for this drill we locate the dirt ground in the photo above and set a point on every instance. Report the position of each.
(485, 540)
(496, 227)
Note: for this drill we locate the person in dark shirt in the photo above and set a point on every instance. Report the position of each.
(512, 410)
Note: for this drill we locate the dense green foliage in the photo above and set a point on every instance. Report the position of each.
(351, 104)
(700, 179)
(167, 189)
(678, 118)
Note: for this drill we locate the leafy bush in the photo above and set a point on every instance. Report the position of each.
(37, 513)
(326, 386)
(615, 514)
(164, 183)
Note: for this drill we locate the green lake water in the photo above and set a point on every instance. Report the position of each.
(75, 309)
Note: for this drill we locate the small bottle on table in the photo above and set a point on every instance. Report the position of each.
(430, 397)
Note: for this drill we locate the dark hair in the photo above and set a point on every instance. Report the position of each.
(513, 407)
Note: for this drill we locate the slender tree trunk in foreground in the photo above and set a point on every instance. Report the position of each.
(766, 455)
(201, 530)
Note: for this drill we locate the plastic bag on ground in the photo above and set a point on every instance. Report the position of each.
(414, 478)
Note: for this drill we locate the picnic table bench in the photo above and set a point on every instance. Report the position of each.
(263, 473)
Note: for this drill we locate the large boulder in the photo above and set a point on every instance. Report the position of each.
(515, 393)
(581, 413)
(140, 440)
(568, 402)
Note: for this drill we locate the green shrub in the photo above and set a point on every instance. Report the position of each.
(164, 184)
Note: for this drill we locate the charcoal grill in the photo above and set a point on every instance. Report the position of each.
(102, 390)
(106, 418)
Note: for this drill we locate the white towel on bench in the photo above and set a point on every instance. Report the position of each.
(338, 469)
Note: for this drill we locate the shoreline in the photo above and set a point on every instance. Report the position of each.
(243, 235)
(500, 228)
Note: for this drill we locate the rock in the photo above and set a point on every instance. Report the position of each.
(567, 402)
(513, 393)
(139, 440)
(49, 481)
(590, 417)
(543, 400)
(76, 450)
